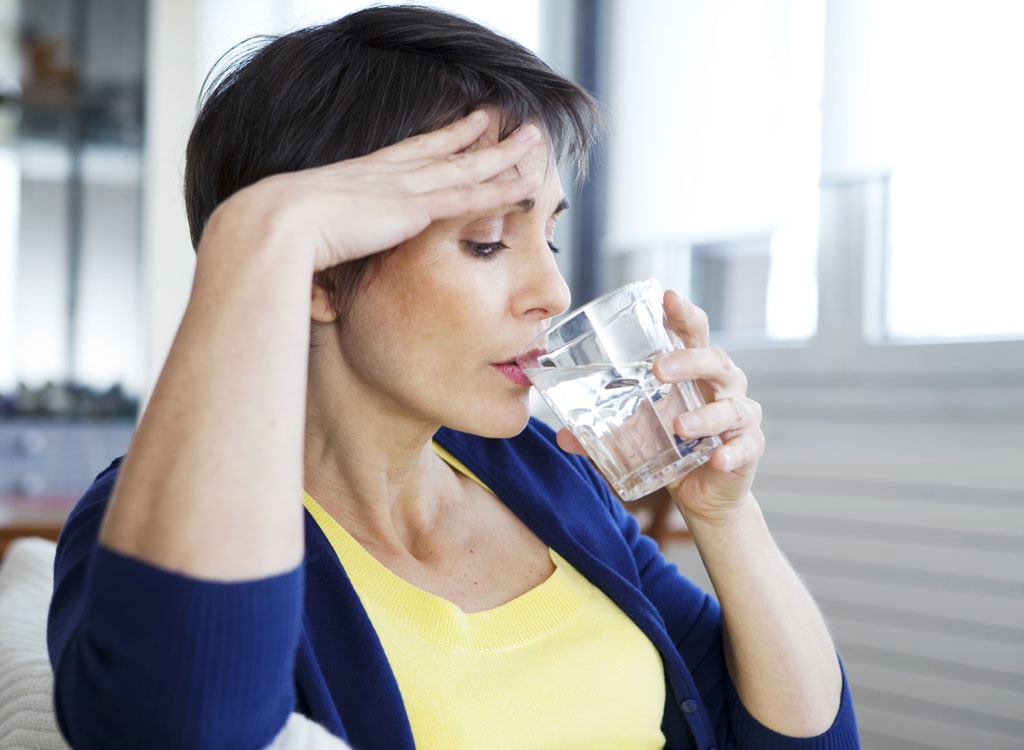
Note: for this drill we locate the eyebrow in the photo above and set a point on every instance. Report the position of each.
(527, 205)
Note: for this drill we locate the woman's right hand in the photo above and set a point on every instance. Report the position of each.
(361, 206)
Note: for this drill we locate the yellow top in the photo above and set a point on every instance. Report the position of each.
(559, 666)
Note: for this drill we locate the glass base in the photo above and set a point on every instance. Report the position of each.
(665, 468)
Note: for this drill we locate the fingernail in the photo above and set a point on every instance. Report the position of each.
(726, 460)
(477, 116)
(669, 367)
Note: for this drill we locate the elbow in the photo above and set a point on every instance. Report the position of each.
(107, 710)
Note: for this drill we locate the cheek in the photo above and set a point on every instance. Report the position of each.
(433, 305)
(455, 304)
(417, 331)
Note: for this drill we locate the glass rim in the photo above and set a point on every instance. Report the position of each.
(533, 348)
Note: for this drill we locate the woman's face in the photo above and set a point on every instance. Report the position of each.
(433, 334)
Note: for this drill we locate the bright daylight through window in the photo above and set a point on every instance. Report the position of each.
(948, 119)
(714, 158)
(717, 159)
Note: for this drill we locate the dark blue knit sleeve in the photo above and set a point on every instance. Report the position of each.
(144, 657)
(693, 619)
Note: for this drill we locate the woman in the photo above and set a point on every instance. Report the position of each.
(452, 577)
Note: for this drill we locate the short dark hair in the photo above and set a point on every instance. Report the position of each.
(368, 80)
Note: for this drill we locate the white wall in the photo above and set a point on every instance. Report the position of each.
(172, 89)
(715, 117)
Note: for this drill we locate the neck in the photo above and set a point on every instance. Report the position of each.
(373, 471)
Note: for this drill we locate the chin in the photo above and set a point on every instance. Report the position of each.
(498, 423)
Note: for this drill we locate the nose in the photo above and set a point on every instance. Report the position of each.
(543, 293)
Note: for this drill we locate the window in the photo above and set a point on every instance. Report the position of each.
(840, 179)
(948, 119)
(714, 158)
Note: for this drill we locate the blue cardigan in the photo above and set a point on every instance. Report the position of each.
(148, 658)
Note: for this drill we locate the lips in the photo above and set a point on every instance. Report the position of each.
(529, 359)
(513, 372)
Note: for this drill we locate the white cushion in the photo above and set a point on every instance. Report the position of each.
(27, 719)
(26, 680)
(302, 734)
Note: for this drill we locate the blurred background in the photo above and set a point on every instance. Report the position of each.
(839, 183)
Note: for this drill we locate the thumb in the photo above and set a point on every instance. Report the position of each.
(568, 442)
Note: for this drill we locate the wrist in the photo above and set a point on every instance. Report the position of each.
(744, 513)
(255, 228)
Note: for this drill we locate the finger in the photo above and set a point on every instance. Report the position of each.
(469, 167)
(450, 139)
(686, 320)
(722, 417)
(568, 442)
(742, 452)
(467, 198)
(709, 363)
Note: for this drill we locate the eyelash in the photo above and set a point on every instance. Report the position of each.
(490, 249)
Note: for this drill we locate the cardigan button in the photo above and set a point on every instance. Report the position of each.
(689, 706)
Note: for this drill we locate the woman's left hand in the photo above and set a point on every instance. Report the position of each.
(711, 491)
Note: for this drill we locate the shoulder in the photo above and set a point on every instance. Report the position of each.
(100, 490)
(81, 529)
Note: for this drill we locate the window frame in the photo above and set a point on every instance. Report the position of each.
(848, 342)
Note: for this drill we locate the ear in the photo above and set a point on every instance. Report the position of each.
(320, 309)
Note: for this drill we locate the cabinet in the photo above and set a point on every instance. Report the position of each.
(46, 464)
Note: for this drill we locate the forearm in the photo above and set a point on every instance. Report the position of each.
(778, 649)
(211, 486)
